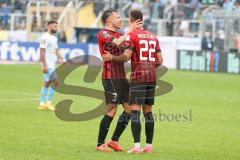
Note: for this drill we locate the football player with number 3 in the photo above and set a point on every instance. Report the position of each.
(145, 54)
(114, 81)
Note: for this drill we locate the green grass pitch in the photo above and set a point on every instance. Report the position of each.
(29, 134)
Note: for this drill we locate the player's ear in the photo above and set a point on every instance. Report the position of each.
(110, 19)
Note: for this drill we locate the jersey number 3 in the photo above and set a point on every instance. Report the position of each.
(146, 48)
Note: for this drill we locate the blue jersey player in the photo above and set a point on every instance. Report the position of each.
(49, 55)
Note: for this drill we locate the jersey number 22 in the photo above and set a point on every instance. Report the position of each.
(147, 49)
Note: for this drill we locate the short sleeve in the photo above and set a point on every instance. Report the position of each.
(103, 36)
(158, 49)
(43, 43)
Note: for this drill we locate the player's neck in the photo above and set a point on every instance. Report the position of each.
(49, 32)
(111, 28)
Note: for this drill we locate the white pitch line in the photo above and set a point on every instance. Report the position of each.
(20, 93)
(18, 99)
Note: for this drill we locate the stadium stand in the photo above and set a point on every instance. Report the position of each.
(87, 10)
(187, 18)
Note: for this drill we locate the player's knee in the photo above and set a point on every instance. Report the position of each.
(46, 84)
(111, 110)
(55, 83)
(111, 113)
(135, 107)
(127, 107)
(147, 108)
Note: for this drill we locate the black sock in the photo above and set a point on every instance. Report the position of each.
(149, 127)
(121, 125)
(136, 126)
(103, 130)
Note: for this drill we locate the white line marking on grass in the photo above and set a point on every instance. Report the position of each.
(20, 93)
(18, 99)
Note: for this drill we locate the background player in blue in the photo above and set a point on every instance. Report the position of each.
(49, 54)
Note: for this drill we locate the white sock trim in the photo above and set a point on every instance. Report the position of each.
(147, 144)
(137, 145)
(49, 102)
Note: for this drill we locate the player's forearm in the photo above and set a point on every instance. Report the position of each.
(43, 58)
(119, 40)
(59, 55)
(158, 64)
(159, 59)
(120, 58)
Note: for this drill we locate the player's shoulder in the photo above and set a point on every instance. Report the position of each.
(103, 33)
(107, 33)
(152, 36)
(149, 32)
(48, 36)
(44, 36)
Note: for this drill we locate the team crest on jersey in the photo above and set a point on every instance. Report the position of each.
(43, 41)
(105, 34)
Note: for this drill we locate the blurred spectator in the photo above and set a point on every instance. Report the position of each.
(182, 10)
(158, 9)
(4, 11)
(170, 22)
(116, 5)
(220, 3)
(53, 2)
(18, 6)
(237, 6)
(194, 6)
(22, 25)
(219, 41)
(207, 43)
(97, 7)
(184, 28)
(146, 15)
(136, 4)
(228, 5)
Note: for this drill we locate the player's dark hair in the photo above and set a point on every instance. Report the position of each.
(106, 14)
(52, 22)
(135, 15)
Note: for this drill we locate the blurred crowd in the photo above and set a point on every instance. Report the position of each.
(12, 6)
(178, 17)
(175, 12)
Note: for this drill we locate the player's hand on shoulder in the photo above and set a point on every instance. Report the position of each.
(44, 69)
(107, 57)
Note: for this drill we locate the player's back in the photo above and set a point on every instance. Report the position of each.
(144, 57)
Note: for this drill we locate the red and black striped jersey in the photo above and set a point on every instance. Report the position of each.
(145, 45)
(111, 69)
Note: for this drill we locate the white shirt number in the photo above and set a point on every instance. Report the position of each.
(147, 49)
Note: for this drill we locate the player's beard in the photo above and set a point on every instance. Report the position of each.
(53, 31)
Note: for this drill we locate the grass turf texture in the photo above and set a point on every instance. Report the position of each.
(29, 134)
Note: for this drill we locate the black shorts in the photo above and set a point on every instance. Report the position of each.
(142, 93)
(116, 91)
